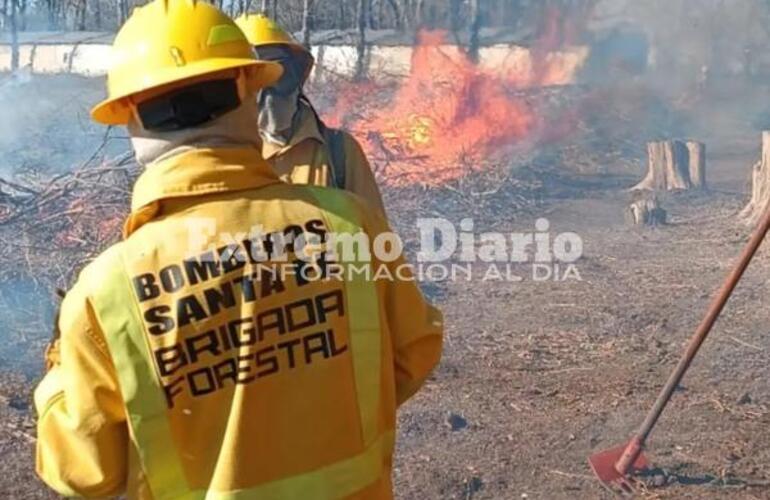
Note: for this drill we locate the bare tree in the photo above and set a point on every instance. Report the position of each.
(375, 15)
(361, 43)
(398, 14)
(419, 14)
(343, 19)
(10, 18)
(474, 42)
(97, 15)
(454, 19)
(454, 15)
(54, 8)
(14, 37)
(307, 7)
(122, 11)
(80, 15)
(22, 15)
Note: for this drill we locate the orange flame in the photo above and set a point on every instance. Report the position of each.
(448, 118)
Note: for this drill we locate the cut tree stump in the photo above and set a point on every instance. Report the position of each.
(645, 211)
(674, 165)
(760, 185)
(697, 162)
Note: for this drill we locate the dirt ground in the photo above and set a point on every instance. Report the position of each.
(542, 374)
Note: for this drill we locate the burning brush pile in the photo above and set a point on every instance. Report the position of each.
(50, 227)
(450, 118)
(472, 136)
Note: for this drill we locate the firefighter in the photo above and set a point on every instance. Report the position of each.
(186, 366)
(301, 148)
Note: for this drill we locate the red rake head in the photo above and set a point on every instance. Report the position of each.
(608, 465)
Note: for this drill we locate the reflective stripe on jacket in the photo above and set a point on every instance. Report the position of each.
(184, 377)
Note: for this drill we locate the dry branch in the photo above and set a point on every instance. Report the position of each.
(50, 227)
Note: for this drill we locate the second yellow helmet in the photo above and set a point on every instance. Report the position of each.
(260, 30)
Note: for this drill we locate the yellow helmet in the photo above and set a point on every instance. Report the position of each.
(168, 43)
(260, 30)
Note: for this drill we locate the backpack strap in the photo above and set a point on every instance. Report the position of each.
(335, 144)
(335, 141)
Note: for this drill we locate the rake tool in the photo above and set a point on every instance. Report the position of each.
(613, 466)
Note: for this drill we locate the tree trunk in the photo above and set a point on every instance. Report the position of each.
(645, 211)
(671, 164)
(13, 20)
(454, 17)
(380, 14)
(760, 185)
(264, 7)
(371, 21)
(697, 158)
(343, 22)
(307, 6)
(53, 7)
(22, 15)
(80, 16)
(361, 42)
(474, 40)
(419, 19)
(122, 6)
(398, 14)
(408, 13)
(98, 15)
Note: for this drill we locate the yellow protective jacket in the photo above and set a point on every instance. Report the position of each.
(185, 369)
(306, 160)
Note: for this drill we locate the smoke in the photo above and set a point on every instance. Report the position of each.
(44, 130)
(26, 318)
(44, 123)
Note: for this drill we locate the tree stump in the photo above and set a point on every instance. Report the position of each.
(674, 165)
(697, 162)
(760, 185)
(645, 211)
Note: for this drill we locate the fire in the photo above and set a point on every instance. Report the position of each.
(450, 116)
